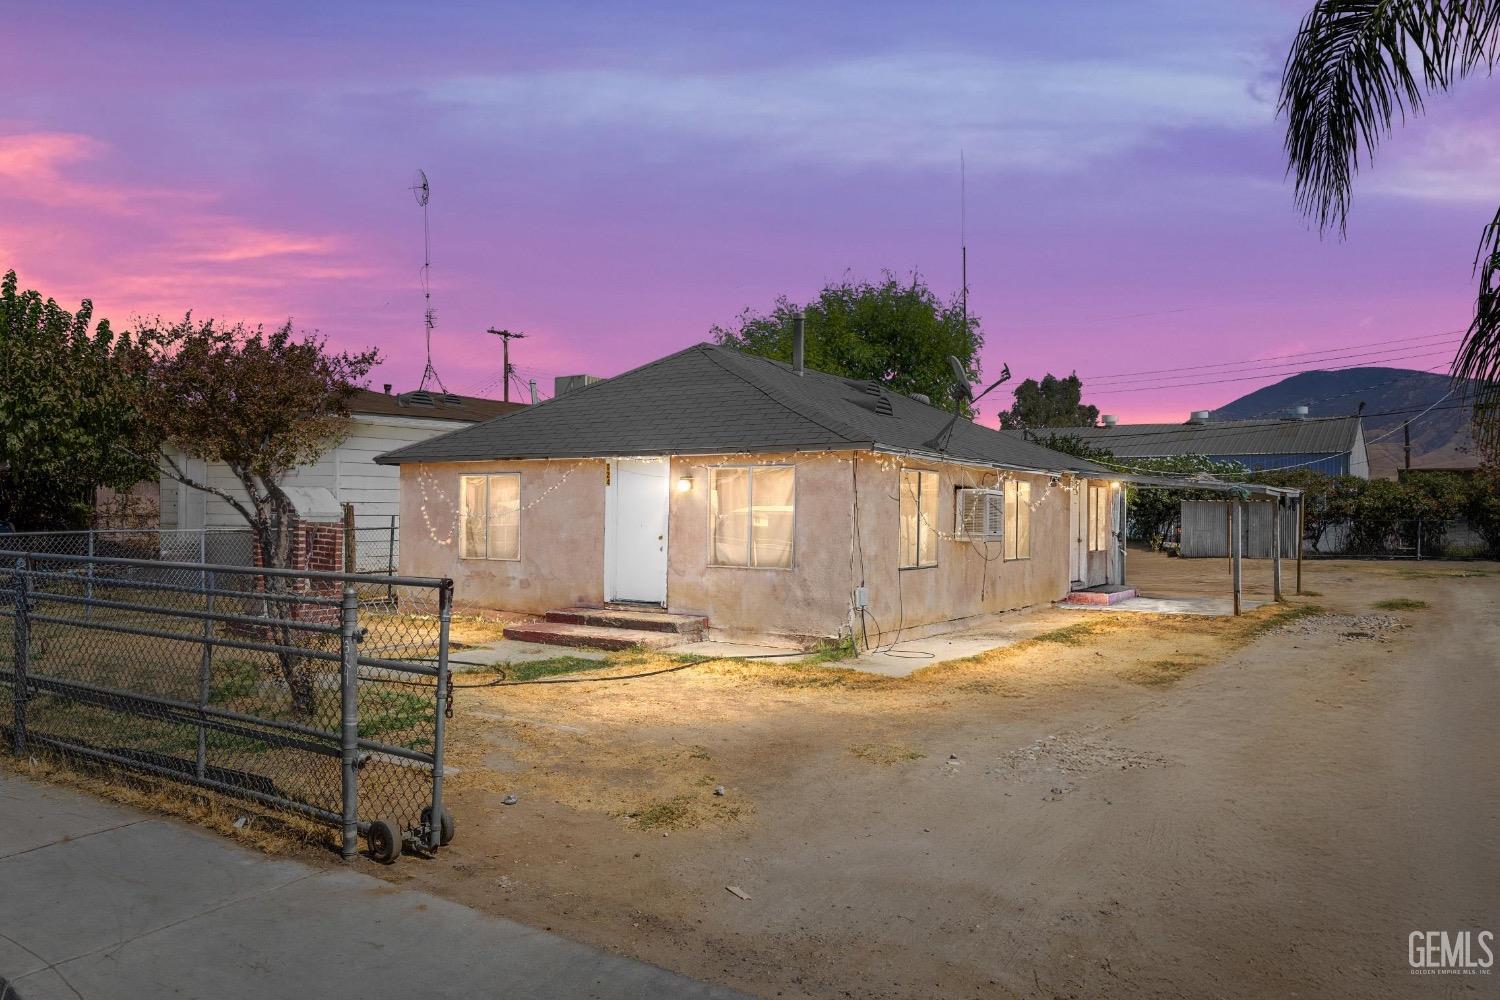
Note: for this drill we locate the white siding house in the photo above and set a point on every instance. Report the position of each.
(382, 423)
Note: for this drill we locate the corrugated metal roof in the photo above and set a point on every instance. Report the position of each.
(710, 399)
(1313, 436)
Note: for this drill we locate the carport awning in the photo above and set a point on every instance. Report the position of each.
(1212, 485)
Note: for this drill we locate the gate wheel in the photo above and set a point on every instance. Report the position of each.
(384, 839)
(445, 824)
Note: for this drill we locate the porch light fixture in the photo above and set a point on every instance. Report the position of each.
(684, 484)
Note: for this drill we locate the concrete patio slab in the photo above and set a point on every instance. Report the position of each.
(910, 655)
(153, 908)
(1216, 607)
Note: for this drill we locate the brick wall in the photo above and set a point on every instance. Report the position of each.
(317, 546)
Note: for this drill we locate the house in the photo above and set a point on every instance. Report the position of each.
(1334, 445)
(381, 421)
(777, 503)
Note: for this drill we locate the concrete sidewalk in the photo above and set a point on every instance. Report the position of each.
(100, 902)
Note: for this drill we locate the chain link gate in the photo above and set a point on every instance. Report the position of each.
(320, 693)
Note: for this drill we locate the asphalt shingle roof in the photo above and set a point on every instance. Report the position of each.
(1312, 436)
(710, 399)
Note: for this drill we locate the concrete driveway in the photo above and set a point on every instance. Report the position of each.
(100, 901)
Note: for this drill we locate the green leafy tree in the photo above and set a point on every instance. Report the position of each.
(1052, 402)
(893, 331)
(67, 426)
(1073, 444)
(1357, 67)
(260, 403)
(1155, 513)
(1482, 506)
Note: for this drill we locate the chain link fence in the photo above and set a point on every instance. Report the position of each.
(320, 693)
(1399, 538)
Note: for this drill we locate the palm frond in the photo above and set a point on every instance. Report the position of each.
(1477, 367)
(1356, 67)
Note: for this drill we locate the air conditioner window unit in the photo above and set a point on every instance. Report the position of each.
(979, 514)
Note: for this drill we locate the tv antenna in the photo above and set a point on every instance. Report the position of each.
(963, 237)
(964, 396)
(423, 192)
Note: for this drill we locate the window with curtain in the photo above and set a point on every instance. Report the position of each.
(919, 518)
(490, 516)
(752, 510)
(1017, 520)
(1098, 518)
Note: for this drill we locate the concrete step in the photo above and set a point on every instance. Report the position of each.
(590, 636)
(648, 621)
(1108, 594)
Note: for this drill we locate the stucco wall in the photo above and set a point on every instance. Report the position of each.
(809, 600)
(971, 578)
(562, 547)
(561, 535)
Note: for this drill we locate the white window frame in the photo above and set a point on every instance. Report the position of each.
(713, 494)
(1017, 509)
(922, 560)
(463, 516)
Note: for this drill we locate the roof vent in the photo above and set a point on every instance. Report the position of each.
(1198, 417)
(1110, 419)
(877, 400)
(922, 397)
(417, 397)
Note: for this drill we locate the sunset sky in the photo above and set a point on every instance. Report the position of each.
(615, 179)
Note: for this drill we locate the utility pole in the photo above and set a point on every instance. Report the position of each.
(506, 336)
(1406, 435)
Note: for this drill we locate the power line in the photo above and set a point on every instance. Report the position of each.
(1265, 375)
(1275, 357)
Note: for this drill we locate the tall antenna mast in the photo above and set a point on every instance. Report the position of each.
(423, 192)
(963, 234)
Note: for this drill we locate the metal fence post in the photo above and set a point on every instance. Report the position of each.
(23, 654)
(88, 580)
(439, 727)
(205, 671)
(1419, 539)
(349, 703)
(390, 559)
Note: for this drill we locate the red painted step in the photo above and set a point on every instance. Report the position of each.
(648, 621)
(590, 636)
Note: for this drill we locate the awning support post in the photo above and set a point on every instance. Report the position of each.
(1236, 523)
(1276, 553)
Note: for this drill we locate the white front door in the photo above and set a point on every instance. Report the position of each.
(635, 530)
(1078, 527)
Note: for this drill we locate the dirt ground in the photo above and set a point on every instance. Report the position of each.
(1132, 805)
(1129, 805)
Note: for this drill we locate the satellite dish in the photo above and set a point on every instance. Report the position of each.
(420, 187)
(961, 388)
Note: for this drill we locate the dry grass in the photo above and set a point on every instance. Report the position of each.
(1402, 604)
(1161, 673)
(886, 753)
(273, 833)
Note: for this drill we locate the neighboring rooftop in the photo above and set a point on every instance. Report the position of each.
(709, 399)
(1282, 436)
(430, 405)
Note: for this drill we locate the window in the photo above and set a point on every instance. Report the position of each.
(1098, 518)
(490, 516)
(752, 511)
(919, 514)
(1017, 520)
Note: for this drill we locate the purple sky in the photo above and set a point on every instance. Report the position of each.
(614, 182)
